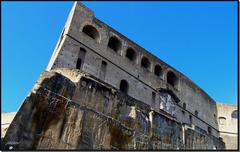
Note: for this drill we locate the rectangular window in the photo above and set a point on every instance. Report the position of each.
(190, 119)
(103, 70)
(81, 57)
(79, 62)
(153, 98)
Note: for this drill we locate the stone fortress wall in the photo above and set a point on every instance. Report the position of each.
(228, 124)
(70, 109)
(92, 46)
(89, 57)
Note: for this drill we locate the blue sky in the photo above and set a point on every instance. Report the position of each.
(197, 38)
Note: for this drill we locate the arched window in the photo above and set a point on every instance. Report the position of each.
(196, 113)
(157, 70)
(234, 114)
(114, 44)
(172, 79)
(184, 105)
(145, 63)
(222, 120)
(131, 54)
(91, 32)
(124, 86)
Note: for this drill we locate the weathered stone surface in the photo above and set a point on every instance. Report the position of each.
(142, 81)
(89, 114)
(228, 125)
(196, 140)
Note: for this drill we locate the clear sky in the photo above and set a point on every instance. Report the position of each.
(197, 38)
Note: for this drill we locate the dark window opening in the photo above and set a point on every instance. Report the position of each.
(145, 63)
(171, 79)
(190, 119)
(82, 53)
(184, 106)
(81, 57)
(153, 98)
(131, 54)
(209, 130)
(114, 44)
(91, 32)
(103, 70)
(157, 70)
(196, 113)
(234, 114)
(104, 63)
(124, 86)
(79, 63)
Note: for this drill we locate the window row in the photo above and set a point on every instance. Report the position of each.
(115, 44)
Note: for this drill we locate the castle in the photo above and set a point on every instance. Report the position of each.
(92, 46)
(95, 49)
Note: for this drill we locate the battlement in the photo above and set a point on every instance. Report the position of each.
(92, 46)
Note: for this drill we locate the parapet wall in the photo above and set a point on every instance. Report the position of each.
(142, 78)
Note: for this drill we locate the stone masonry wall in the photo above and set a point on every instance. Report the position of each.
(119, 67)
(228, 124)
(67, 109)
